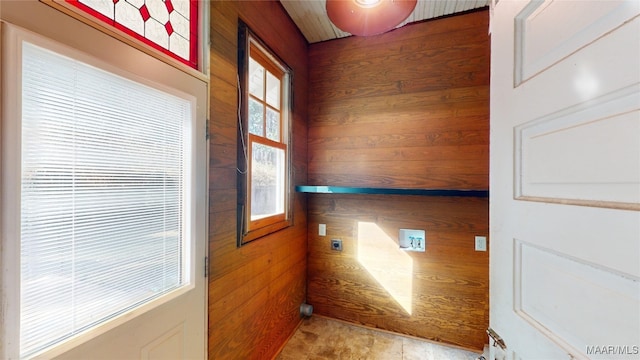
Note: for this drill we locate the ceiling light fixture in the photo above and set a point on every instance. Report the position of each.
(368, 17)
(367, 3)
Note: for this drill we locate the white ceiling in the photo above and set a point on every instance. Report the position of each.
(311, 15)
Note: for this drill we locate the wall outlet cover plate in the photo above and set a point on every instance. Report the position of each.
(322, 229)
(412, 240)
(336, 244)
(481, 243)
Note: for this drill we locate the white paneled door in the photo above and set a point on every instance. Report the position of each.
(104, 195)
(565, 179)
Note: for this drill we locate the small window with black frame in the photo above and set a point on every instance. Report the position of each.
(264, 157)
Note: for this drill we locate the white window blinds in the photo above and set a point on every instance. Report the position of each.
(102, 196)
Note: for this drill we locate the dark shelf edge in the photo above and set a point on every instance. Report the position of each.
(390, 191)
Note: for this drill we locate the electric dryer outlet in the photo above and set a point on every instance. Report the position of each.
(336, 244)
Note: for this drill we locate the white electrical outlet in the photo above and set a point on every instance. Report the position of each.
(481, 243)
(322, 229)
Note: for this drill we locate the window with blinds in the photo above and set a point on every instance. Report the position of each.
(104, 187)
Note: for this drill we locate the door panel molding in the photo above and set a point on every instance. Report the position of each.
(583, 173)
(539, 43)
(542, 275)
(564, 277)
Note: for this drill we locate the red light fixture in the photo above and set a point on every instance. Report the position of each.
(368, 17)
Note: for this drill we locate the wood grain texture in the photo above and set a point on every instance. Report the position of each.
(409, 108)
(254, 291)
(406, 109)
(440, 295)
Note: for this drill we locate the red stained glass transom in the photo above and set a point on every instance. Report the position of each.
(170, 26)
(144, 12)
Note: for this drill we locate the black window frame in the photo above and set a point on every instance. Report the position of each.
(248, 230)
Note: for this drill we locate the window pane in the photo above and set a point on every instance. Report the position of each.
(101, 196)
(256, 118)
(256, 79)
(267, 181)
(273, 125)
(273, 90)
(163, 24)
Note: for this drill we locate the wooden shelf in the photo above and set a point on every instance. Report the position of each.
(390, 191)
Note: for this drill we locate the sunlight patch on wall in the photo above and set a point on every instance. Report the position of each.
(383, 259)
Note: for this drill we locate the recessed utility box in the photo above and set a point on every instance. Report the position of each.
(412, 240)
(336, 244)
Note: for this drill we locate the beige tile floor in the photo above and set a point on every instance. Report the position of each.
(320, 338)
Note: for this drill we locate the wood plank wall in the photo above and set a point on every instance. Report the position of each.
(254, 291)
(406, 109)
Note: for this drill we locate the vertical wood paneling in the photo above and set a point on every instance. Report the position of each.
(254, 291)
(407, 109)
